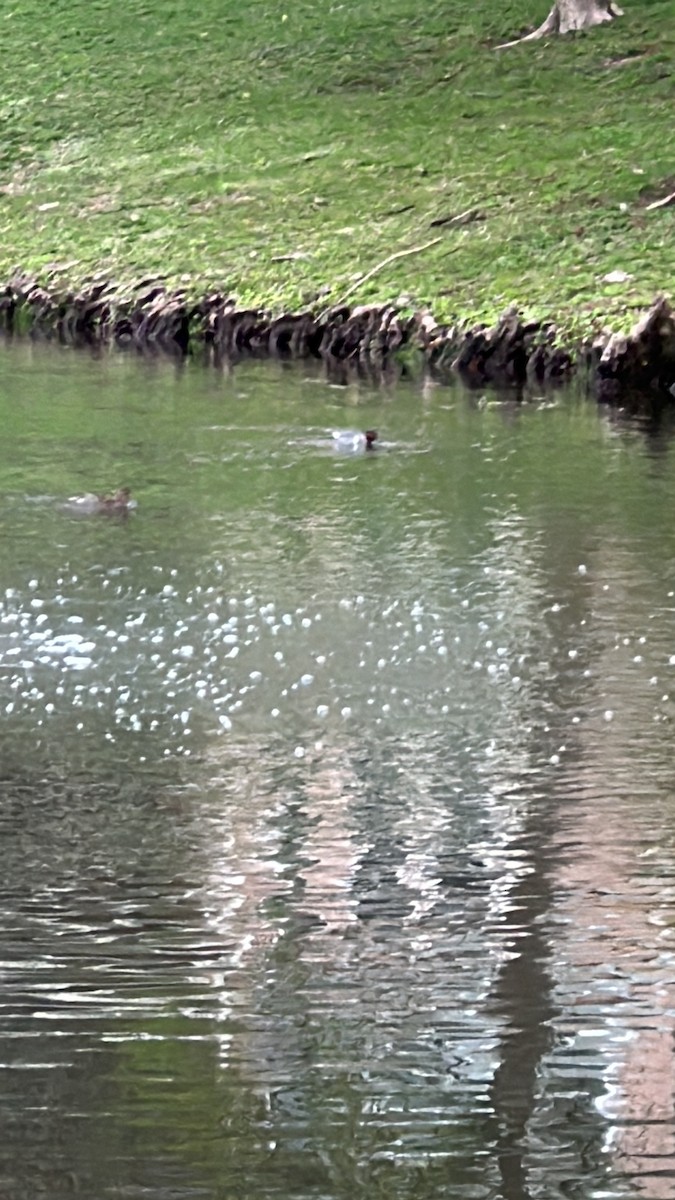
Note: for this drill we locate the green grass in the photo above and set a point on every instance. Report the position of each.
(207, 141)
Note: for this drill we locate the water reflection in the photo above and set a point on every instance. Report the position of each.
(335, 795)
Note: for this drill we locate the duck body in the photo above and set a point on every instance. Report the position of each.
(90, 504)
(353, 441)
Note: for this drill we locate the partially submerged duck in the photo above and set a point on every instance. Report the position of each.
(352, 439)
(116, 504)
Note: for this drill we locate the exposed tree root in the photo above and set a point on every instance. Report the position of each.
(644, 360)
(570, 16)
(151, 318)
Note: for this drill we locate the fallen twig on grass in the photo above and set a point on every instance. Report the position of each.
(661, 203)
(385, 262)
(463, 218)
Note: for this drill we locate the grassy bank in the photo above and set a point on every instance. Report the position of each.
(278, 149)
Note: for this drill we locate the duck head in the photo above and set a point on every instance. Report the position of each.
(119, 501)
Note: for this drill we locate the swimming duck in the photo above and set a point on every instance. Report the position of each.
(119, 503)
(351, 439)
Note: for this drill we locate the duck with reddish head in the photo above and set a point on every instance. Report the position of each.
(353, 441)
(113, 504)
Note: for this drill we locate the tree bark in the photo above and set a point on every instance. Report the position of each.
(569, 16)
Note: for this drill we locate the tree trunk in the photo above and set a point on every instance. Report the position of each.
(569, 16)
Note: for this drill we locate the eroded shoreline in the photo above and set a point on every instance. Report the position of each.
(514, 352)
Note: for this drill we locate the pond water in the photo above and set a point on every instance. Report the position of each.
(337, 791)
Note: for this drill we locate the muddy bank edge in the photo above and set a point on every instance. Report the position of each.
(514, 352)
